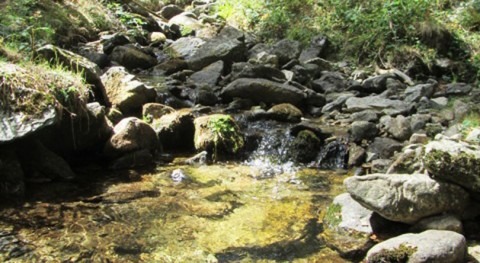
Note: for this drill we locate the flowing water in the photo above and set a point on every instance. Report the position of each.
(176, 213)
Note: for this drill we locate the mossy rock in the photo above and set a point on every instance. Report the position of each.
(305, 147)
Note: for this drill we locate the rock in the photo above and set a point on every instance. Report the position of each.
(248, 70)
(41, 164)
(284, 112)
(337, 104)
(442, 222)
(153, 111)
(169, 67)
(170, 11)
(304, 147)
(131, 57)
(383, 148)
(315, 99)
(418, 138)
(175, 130)
(111, 41)
(409, 161)
(205, 95)
(330, 82)
(376, 84)
(380, 165)
(317, 47)
(286, 50)
(125, 91)
(200, 159)
(12, 183)
(406, 198)
(188, 23)
(208, 76)
(157, 38)
(262, 90)
(367, 115)
(219, 48)
(415, 93)
(433, 129)
(184, 47)
(131, 135)
(348, 227)
(419, 121)
(473, 136)
(218, 133)
(377, 103)
(76, 63)
(428, 246)
(132, 160)
(440, 102)
(356, 155)
(454, 162)
(363, 130)
(398, 127)
(454, 89)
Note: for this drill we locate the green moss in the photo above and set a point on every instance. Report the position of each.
(226, 133)
(333, 215)
(398, 255)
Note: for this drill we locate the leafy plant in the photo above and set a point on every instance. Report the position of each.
(225, 133)
(130, 20)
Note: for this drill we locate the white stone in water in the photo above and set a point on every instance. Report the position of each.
(178, 175)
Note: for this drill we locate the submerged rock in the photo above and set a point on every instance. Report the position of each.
(406, 198)
(428, 246)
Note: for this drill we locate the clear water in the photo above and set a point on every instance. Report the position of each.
(216, 213)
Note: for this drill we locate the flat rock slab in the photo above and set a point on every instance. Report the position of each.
(406, 198)
(429, 246)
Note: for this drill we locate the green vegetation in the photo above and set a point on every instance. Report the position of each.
(333, 215)
(389, 32)
(225, 133)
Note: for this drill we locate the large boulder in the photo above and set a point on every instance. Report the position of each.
(208, 76)
(426, 247)
(399, 127)
(415, 93)
(76, 63)
(378, 103)
(286, 50)
(223, 47)
(125, 91)
(454, 162)
(363, 130)
(284, 112)
(184, 47)
(131, 135)
(248, 70)
(383, 148)
(218, 133)
(304, 147)
(262, 90)
(175, 130)
(406, 198)
(132, 57)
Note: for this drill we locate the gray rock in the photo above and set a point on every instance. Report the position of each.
(208, 76)
(262, 90)
(406, 198)
(304, 147)
(170, 11)
(458, 89)
(184, 47)
(317, 46)
(383, 148)
(125, 91)
(367, 115)
(131, 57)
(111, 41)
(376, 84)
(415, 93)
(377, 103)
(419, 121)
(398, 127)
(337, 104)
(455, 162)
(286, 50)
(356, 155)
(381, 165)
(473, 136)
(219, 48)
(330, 82)
(153, 111)
(429, 246)
(442, 222)
(284, 112)
(248, 70)
(363, 130)
(440, 102)
(409, 161)
(187, 22)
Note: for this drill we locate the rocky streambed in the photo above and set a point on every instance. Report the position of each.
(195, 142)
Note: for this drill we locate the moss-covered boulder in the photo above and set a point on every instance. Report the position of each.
(218, 133)
(455, 162)
(304, 147)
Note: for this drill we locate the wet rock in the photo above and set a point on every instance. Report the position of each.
(125, 91)
(134, 159)
(262, 90)
(131, 57)
(428, 246)
(286, 50)
(178, 176)
(76, 63)
(377, 103)
(221, 47)
(131, 135)
(399, 127)
(284, 112)
(454, 162)
(208, 76)
(348, 227)
(41, 164)
(12, 178)
(304, 147)
(200, 158)
(175, 130)
(363, 130)
(383, 148)
(153, 111)
(170, 11)
(441, 222)
(406, 198)
(218, 133)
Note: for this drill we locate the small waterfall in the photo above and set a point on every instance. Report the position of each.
(333, 155)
